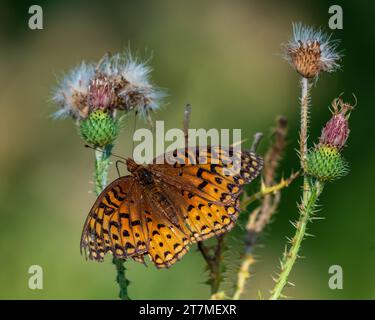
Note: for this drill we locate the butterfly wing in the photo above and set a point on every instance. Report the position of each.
(115, 223)
(167, 242)
(207, 193)
(127, 222)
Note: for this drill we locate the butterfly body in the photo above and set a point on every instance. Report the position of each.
(159, 209)
(149, 181)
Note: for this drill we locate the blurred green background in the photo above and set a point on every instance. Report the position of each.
(220, 56)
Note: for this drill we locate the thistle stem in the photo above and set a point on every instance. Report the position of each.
(311, 192)
(121, 279)
(101, 173)
(213, 257)
(305, 97)
(243, 275)
(306, 209)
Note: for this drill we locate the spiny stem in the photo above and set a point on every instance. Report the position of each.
(311, 192)
(266, 190)
(213, 261)
(121, 279)
(304, 119)
(305, 98)
(101, 173)
(243, 275)
(306, 208)
(101, 168)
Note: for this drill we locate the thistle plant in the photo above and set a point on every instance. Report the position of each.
(312, 52)
(97, 97)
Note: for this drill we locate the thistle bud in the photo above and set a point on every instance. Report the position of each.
(326, 163)
(99, 128)
(336, 131)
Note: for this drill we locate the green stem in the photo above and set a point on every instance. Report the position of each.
(305, 99)
(213, 257)
(311, 192)
(101, 168)
(306, 208)
(121, 279)
(101, 173)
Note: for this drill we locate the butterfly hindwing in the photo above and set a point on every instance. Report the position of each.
(114, 222)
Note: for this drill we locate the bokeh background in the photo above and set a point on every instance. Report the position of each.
(220, 56)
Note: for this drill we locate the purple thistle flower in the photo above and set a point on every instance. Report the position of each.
(336, 131)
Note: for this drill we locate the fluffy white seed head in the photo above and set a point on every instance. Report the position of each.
(72, 93)
(133, 84)
(118, 82)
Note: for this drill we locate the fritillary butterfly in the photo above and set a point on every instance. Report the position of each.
(159, 209)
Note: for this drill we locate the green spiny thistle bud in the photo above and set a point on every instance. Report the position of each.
(326, 163)
(99, 128)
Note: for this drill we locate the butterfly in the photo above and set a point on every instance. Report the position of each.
(161, 208)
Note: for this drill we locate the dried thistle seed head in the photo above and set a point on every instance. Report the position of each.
(118, 82)
(72, 93)
(132, 84)
(336, 131)
(311, 51)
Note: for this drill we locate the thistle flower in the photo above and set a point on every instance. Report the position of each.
(131, 80)
(91, 94)
(336, 131)
(118, 82)
(311, 51)
(325, 161)
(101, 93)
(72, 93)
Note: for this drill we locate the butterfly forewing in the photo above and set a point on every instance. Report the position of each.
(207, 194)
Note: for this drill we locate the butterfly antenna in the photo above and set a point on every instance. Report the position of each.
(100, 150)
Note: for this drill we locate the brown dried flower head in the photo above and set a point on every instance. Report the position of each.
(311, 51)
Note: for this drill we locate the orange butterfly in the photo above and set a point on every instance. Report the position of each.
(159, 209)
